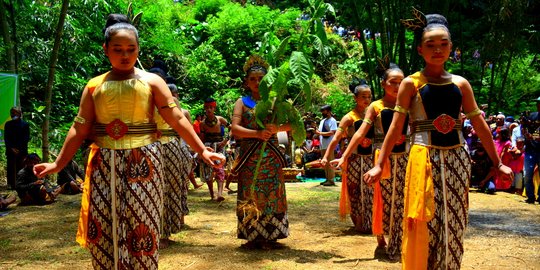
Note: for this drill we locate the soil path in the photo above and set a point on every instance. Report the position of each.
(503, 233)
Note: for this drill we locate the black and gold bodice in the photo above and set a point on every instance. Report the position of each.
(435, 113)
(365, 146)
(382, 125)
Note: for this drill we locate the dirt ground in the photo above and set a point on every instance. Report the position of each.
(503, 233)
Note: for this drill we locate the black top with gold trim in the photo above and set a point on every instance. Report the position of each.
(435, 113)
(382, 125)
(365, 147)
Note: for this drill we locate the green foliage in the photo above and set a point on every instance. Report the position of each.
(203, 9)
(205, 73)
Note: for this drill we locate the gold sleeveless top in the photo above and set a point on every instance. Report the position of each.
(129, 101)
(165, 133)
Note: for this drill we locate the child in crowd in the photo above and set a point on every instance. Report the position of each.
(516, 164)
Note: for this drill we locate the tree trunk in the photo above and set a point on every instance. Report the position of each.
(50, 79)
(504, 79)
(12, 66)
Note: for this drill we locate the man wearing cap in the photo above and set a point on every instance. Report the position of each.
(326, 131)
(213, 135)
(531, 132)
(16, 137)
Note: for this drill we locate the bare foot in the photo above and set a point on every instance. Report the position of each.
(220, 199)
(164, 243)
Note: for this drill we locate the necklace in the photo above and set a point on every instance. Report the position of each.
(211, 123)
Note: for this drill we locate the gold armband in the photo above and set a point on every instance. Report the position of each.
(400, 109)
(80, 120)
(474, 113)
(169, 105)
(368, 121)
(340, 129)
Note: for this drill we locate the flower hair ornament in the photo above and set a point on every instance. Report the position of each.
(255, 63)
(417, 23)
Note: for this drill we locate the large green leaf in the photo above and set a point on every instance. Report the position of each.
(267, 82)
(262, 110)
(282, 110)
(300, 67)
(320, 32)
(297, 126)
(281, 49)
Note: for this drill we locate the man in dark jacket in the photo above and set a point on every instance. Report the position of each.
(16, 137)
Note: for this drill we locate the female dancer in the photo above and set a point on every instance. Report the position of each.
(388, 196)
(270, 223)
(355, 197)
(438, 169)
(122, 207)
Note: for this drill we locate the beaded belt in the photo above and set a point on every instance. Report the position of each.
(443, 124)
(117, 129)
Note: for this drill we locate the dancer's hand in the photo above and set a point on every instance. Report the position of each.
(324, 161)
(506, 173)
(337, 163)
(373, 175)
(272, 128)
(265, 134)
(43, 169)
(216, 160)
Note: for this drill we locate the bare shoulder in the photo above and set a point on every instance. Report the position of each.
(460, 81)
(151, 78)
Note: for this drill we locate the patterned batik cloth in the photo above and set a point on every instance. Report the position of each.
(176, 167)
(360, 194)
(394, 203)
(125, 208)
(269, 191)
(451, 174)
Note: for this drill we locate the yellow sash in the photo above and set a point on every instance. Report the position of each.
(419, 209)
(82, 231)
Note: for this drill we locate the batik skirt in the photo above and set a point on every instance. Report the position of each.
(393, 196)
(360, 194)
(268, 194)
(177, 163)
(125, 208)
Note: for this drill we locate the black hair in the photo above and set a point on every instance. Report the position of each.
(326, 107)
(170, 79)
(159, 72)
(392, 67)
(434, 21)
(358, 85)
(173, 88)
(505, 134)
(208, 100)
(32, 157)
(158, 63)
(116, 22)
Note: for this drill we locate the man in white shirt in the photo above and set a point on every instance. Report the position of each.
(326, 131)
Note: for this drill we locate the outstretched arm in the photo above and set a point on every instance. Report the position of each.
(341, 132)
(175, 118)
(77, 133)
(481, 127)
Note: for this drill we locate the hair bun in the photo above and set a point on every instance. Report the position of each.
(115, 18)
(436, 19)
(356, 82)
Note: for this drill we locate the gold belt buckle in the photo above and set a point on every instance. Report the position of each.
(444, 123)
(116, 129)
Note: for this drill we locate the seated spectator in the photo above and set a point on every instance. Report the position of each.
(6, 200)
(288, 159)
(482, 170)
(71, 178)
(30, 189)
